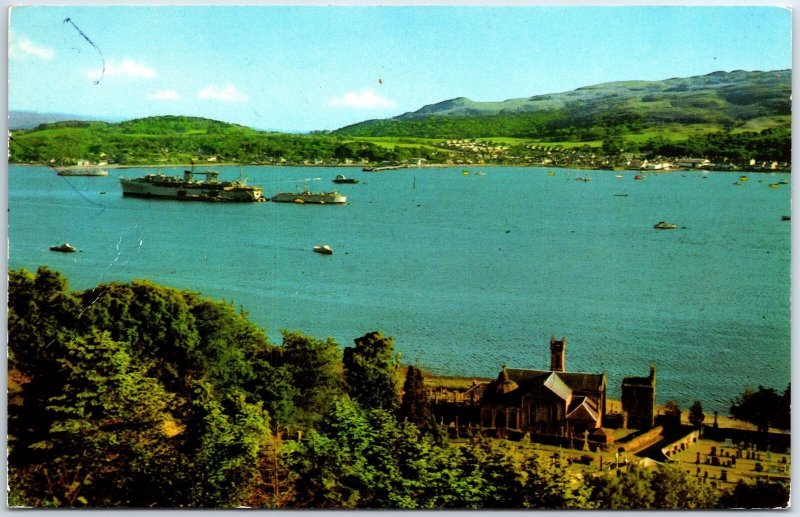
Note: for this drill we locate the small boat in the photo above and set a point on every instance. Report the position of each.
(551, 173)
(743, 178)
(584, 178)
(638, 177)
(618, 176)
(324, 249)
(774, 185)
(661, 225)
(465, 172)
(64, 248)
(341, 179)
(786, 218)
(83, 172)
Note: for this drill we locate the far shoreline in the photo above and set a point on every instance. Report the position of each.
(362, 166)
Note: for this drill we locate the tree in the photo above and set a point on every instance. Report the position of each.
(666, 487)
(314, 367)
(785, 417)
(761, 493)
(675, 489)
(370, 372)
(415, 406)
(696, 415)
(761, 407)
(113, 437)
(123, 398)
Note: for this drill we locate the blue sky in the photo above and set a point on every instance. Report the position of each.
(301, 68)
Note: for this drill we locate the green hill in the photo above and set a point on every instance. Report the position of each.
(725, 116)
(180, 140)
(717, 101)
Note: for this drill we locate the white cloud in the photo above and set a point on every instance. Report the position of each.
(365, 99)
(19, 47)
(126, 68)
(227, 93)
(164, 95)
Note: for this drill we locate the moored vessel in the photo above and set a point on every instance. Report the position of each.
(83, 172)
(662, 225)
(340, 178)
(187, 188)
(64, 248)
(306, 196)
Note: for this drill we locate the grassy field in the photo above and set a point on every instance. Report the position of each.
(762, 123)
(389, 142)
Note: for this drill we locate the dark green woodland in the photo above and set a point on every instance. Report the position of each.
(135, 395)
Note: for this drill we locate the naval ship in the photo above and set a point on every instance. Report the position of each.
(188, 189)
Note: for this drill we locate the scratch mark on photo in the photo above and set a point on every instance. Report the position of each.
(102, 58)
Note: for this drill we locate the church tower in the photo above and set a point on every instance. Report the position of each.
(557, 352)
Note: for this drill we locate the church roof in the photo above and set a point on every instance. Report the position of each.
(514, 383)
(504, 384)
(583, 408)
(575, 380)
(557, 386)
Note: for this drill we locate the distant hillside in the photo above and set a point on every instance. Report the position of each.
(181, 140)
(719, 100)
(31, 119)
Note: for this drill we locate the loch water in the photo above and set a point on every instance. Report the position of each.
(466, 272)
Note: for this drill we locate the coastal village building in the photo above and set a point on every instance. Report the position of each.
(554, 402)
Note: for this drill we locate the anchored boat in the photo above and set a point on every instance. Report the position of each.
(341, 179)
(306, 196)
(661, 225)
(64, 248)
(83, 172)
(188, 189)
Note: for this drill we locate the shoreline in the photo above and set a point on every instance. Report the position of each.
(362, 166)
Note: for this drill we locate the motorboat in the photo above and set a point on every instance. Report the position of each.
(340, 178)
(324, 249)
(64, 248)
(661, 225)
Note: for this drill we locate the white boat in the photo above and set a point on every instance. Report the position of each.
(324, 249)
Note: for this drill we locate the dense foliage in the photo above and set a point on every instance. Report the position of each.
(138, 395)
(764, 408)
(171, 139)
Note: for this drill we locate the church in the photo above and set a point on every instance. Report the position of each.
(553, 402)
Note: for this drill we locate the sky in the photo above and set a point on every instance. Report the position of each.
(304, 68)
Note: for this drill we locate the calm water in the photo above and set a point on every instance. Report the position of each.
(467, 273)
